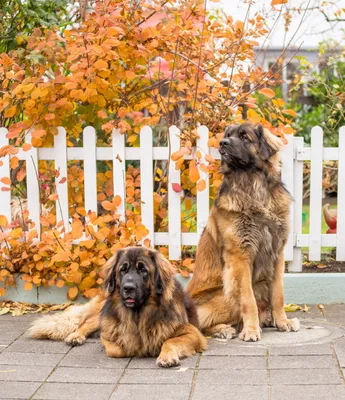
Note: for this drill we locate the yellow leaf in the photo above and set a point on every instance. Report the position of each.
(100, 64)
(132, 138)
(253, 116)
(87, 243)
(292, 307)
(267, 92)
(14, 162)
(3, 221)
(15, 233)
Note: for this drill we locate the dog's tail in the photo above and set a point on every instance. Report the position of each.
(60, 325)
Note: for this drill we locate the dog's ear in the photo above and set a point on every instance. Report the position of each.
(265, 150)
(163, 274)
(110, 272)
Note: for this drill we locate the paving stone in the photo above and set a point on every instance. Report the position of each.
(282, 362)
(204, 391)
(305, 349)
(30, 359)
(232, 362)
(4, 345)
(220, 348)
(150, 362)
(339, 348)
(157, 376)
(75, 391)
(305, 376)
(24, 373)
(85, 375)
(99, 360)
(308, 392)
(88, 348)
(18, 390)
(38, 346)
(232, 376)
(151, 392)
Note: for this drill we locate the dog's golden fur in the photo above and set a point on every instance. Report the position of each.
(165, 325)
(238, 274)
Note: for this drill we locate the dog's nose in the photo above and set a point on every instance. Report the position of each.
(129, 287)
(224, 142)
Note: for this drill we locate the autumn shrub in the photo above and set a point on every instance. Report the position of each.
(126, 65)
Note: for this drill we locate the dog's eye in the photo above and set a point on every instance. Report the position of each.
(124, 267)
(141, 267)
(243, 138)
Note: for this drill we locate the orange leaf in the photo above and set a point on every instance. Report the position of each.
(194, 174)
(107, 205)
(21, 174)
(26, 146)
(87, 243)
(175, 156)
(28, 286)
(10, 112)
(117, 200)
(72, 293)
(201, 185)
(277, 2)
(14, 162)
(267, 92)
(53, 197)
(5, 180)
(60, 283)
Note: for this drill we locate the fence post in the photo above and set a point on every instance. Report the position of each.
(146, 179)
(60, 155)
(316, 157)
(5, 197)
(203, 198)
(119, 171)
(32, 184)
(340, 256)
(174, 199)
(287, 178)
(90, 169)
(296, 264)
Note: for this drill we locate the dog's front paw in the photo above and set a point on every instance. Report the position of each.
(250, 334)
(288, 325)
(225, 332)
(168, 360)
(75, 339)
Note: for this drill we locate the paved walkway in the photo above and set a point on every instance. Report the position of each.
(308, 365)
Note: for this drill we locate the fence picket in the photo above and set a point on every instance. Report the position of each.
(315, 193)
(60, 149)
(119, 170)
(203, 198)
(90, 169)
(5, 172)
(33, 191)
(296, 264)
(146, 177)
(287, 178)
(174, 199)
(340, 256)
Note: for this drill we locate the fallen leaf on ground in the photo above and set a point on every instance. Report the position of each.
(16, 309)
(292, 307)
(321, 308)
(321, 266)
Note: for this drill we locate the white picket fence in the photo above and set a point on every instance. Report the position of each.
(293, 156)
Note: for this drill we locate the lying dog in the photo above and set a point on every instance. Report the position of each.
(144, 312)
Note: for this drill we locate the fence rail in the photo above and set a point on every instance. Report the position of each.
(293, 157)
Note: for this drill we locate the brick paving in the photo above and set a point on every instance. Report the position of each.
(301, 369)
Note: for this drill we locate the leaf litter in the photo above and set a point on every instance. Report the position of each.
(16, 308)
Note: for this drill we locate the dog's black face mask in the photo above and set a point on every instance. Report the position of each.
(131, 277)
(244, 146)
